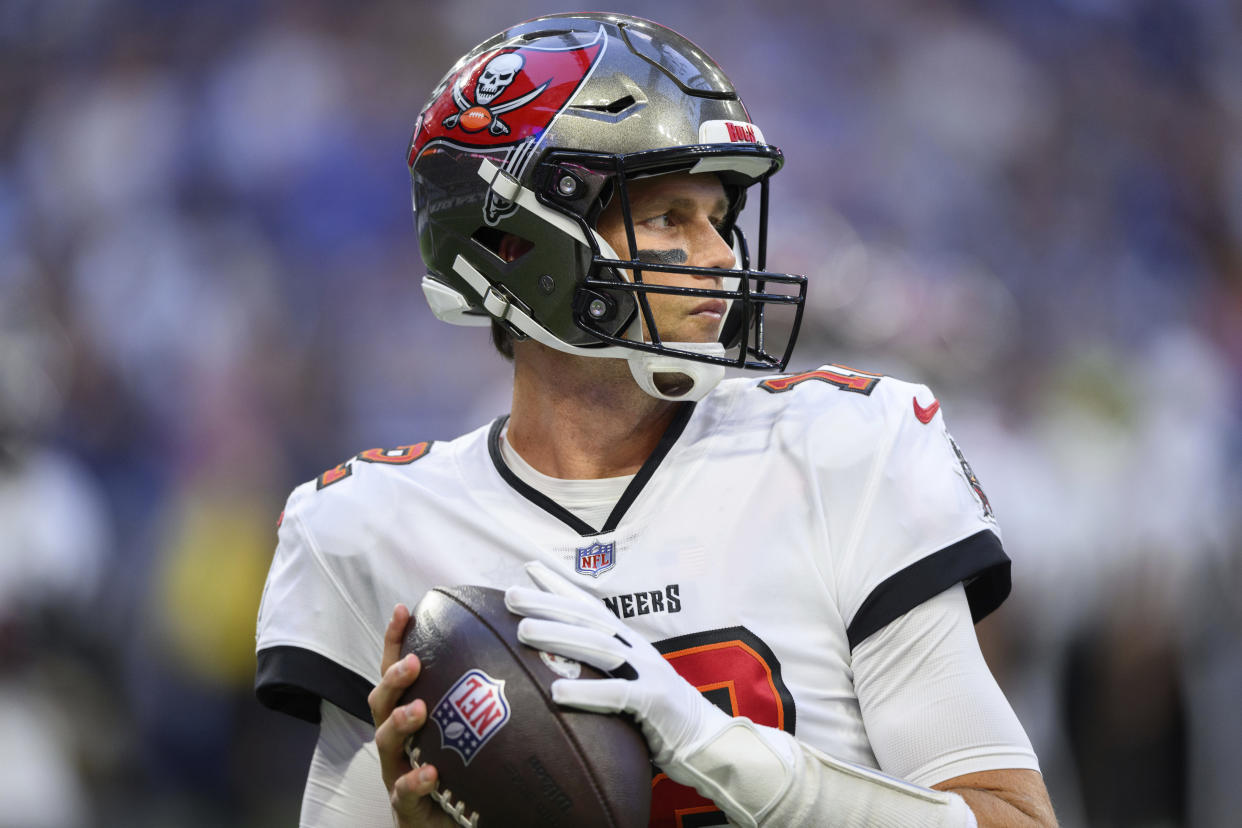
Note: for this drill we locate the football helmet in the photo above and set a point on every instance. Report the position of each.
(532, 134)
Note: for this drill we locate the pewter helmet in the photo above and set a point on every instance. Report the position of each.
(531, 135)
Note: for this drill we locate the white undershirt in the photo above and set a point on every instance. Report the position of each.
(931, 707)
(590, 500)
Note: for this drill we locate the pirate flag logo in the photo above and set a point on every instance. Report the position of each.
(507, 96)
(497, 75)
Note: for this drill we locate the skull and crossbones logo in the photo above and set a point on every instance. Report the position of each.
(495, 78)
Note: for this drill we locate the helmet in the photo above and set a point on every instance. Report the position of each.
(532, 134)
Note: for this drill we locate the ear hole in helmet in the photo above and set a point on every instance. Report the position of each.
(508, 247)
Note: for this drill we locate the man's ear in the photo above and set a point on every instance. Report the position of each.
(513, 247)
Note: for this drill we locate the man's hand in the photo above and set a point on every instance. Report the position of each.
(561, 618)
(408, 788)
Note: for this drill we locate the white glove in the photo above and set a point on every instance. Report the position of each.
(756, 775)
(561, 618)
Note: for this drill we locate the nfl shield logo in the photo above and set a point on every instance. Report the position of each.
(471, 712)
(596, 558)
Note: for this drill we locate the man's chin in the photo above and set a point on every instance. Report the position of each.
(698, 328)
(693, 328)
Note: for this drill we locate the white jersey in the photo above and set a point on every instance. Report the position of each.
(778, 524)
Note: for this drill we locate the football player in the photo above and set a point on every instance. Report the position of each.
(789, 565)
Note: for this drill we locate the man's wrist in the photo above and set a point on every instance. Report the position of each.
(744, 768)
(763, 776)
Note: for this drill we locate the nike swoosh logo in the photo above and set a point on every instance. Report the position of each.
(925, 414)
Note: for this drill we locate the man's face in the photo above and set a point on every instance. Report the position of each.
(676, 221)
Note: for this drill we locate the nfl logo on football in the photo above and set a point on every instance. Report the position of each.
(471, 712)
(596, 559)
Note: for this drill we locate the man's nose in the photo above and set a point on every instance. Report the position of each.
(709, 247)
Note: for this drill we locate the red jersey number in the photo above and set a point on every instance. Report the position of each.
(735, 670)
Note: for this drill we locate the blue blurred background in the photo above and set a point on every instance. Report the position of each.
(208, 293)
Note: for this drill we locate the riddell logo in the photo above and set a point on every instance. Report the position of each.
(740, 133)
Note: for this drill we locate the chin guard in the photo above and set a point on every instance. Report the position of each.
(672, 378)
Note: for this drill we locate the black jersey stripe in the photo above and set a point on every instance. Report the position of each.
(667, 441)
(674, 430)
(293, 680)
(532, 494)
(979, 561)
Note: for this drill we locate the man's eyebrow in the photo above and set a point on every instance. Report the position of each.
(721, 205)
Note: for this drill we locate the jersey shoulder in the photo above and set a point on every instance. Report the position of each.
(373, 481)
(832, 399)
(904, 515)
(342, 560)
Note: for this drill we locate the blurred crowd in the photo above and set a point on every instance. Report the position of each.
(208, 294)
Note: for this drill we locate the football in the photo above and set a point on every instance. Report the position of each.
(507, 755)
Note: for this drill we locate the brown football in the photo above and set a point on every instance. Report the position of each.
(507, 755)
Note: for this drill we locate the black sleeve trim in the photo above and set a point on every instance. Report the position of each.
(978, 560)
(667, 440)
(293, 680)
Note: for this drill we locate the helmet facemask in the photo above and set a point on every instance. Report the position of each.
(615, 286)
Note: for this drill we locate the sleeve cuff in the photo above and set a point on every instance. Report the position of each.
(293, 680)
(979, 561)
(978, 763)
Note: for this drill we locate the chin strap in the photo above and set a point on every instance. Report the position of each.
(679, 380)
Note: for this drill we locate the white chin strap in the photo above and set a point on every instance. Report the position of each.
(682, 379)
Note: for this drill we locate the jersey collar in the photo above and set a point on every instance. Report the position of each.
(674, 430)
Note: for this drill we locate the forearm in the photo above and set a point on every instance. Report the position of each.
(343, 784)
(1005, 798)
(763, 777)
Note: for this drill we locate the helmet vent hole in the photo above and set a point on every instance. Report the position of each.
(542, 33)
(619, 105)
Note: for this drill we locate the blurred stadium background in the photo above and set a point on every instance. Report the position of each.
(208, 293)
